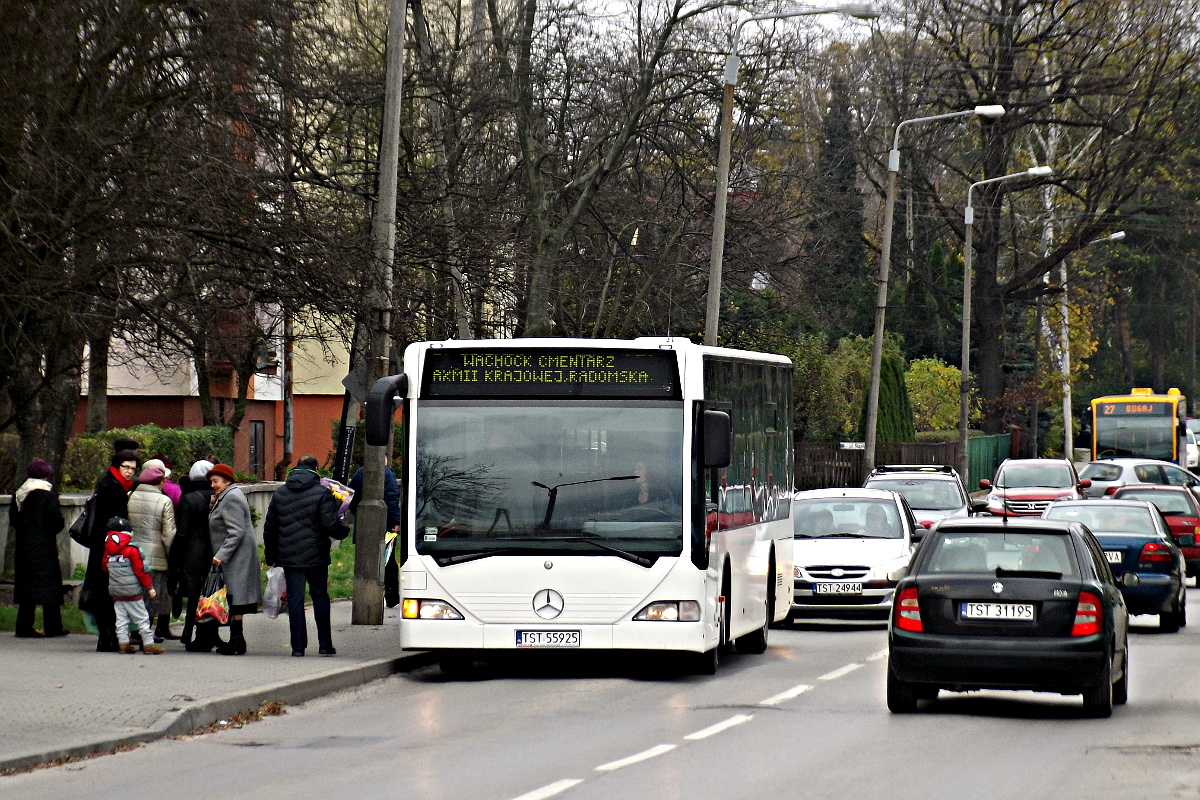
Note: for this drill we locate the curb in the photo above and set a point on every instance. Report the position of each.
(198, 715)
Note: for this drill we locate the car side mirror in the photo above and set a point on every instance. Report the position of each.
(985, 484)
(718, 440)
(918, 533)
(1085, 483)
(979, 506)
(1186, 540)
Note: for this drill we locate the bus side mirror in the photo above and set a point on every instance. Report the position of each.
(380, 410)
(718, 440)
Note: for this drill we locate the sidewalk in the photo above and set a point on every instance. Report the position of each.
(59, 697)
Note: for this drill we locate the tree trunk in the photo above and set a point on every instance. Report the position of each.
(203, 387)
(97, 402)
(1124, 340)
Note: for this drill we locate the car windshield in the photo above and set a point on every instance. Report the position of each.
(1020, 476)
(1101, 472)
(926, 495)
(516, 475)
(1169, 503)
(1105, 517)
(980, 552)
(846, 518)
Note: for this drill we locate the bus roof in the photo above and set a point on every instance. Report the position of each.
(682, 344)
(1173, 395)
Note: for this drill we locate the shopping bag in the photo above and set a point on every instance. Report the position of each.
(214, 603)
(275, 595)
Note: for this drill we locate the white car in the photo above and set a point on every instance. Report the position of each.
(851, 546)
(1193, 450)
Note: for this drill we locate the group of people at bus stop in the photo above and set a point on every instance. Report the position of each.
(156, 546)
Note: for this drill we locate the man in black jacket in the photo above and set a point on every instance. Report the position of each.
(303, 515)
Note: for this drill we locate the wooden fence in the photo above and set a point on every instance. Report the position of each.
(825, 464)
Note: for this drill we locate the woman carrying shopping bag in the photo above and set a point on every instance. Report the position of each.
(231, 532)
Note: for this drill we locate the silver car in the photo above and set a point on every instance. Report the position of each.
(933, 492)
(1110, 474)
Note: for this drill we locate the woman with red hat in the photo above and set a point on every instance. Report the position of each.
(231, 531)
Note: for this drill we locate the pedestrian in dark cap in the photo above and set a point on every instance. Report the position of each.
(112, 500)
(37, 520)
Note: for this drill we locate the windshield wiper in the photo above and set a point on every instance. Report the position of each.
(553, 490)
(462, 558)
(1001, 572)
(641, 561)
(850, 536)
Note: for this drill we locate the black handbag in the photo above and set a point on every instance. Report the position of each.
(81, 528)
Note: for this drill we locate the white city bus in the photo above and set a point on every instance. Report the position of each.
(593, 494)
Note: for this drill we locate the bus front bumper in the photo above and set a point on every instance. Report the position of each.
(628, 635)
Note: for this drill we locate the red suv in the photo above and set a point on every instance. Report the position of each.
(1025, 486)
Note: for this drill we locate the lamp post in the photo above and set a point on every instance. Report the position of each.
(1065, 344)
(885, 260)
(712, 311)
(964, 390)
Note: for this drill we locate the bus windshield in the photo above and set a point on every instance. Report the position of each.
(582, 477)
(1144, 437)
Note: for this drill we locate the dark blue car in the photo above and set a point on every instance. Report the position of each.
(1144, 556)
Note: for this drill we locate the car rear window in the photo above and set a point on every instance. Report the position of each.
(1173, 503)
(930, 495)
(1106, 517)
(1101, 472)
(980, 552)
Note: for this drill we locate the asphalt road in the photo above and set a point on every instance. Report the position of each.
(805, 720)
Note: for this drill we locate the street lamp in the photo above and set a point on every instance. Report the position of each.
(712, 311)
(885, 260)
(1065, 344)
(964, 391)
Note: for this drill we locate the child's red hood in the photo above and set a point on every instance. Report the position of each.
(115, 541)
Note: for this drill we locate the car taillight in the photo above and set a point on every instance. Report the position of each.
(908, 611)
(1087, 615)
(1155, 552)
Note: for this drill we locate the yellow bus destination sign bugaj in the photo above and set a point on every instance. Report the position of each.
(645, 374)
(1131, 407)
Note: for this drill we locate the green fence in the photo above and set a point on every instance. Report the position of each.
(984, 454)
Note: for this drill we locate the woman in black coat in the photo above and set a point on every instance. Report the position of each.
(191, 554)
(37, 520)
(112, 500)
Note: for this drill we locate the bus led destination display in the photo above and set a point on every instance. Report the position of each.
(551, 373)
(1140, 408)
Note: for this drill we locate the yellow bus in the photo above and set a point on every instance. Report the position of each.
(1141, 424)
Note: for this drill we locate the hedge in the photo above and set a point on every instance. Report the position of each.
(88, 454)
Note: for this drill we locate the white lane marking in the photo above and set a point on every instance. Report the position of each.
(551, 789)
(876, 656)
(839, 672)
(657, 750)
(787, 694)
(704, 733)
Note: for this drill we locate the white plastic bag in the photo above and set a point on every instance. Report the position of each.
(275, 595)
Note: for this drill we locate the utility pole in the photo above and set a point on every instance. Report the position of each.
(371, 517)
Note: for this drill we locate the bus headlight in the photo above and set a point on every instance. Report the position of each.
(413, 608)
(670, 611)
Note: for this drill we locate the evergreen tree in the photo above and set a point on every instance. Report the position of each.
(895, 420)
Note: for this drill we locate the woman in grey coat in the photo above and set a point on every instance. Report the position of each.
(231, 532)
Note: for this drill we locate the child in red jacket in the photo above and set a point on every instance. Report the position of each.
(127, 577)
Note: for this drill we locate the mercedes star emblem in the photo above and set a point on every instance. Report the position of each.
(997, 587)
(548, 604)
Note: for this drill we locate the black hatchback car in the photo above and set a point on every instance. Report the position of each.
(1028, 604)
